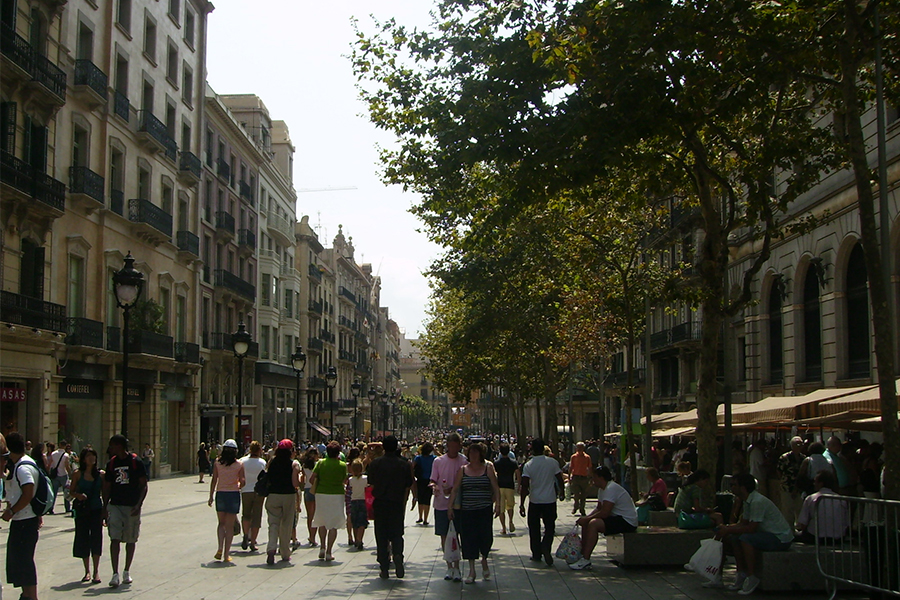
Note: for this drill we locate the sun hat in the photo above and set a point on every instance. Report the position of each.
(230, 444)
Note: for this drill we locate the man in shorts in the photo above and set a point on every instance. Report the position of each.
(443, 476)
(124, 491)
(507, 478)
(615, 513)
(24, 524)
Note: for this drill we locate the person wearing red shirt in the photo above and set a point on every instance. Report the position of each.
(579, 477)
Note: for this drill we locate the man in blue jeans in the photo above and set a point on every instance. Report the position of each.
(762, 529)
(542, 479)
(60, 471)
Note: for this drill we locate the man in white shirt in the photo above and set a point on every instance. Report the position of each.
(542, 479)
(60, 469)
(830, 521)
(23, 529)
(615, 513)
(251, 502)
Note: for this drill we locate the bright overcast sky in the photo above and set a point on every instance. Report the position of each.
(293, 55)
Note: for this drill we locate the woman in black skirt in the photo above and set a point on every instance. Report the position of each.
(203, 460)
(87, 483)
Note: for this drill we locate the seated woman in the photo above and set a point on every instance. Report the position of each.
(657, 498)
(688, 507)
(615, 513)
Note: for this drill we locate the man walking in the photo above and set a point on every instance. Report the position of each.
(124, 491)
(579, 477)
(391, 478)
(60, 471)
(21, 571)
(443, 476)
(507, 477)
(542, 479)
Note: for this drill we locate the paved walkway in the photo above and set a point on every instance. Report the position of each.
(174, 560)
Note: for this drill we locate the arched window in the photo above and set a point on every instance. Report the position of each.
(812, 327)
(776, 361)
(857, 316)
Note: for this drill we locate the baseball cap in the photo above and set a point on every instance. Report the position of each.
(286, 443)
(230, 444)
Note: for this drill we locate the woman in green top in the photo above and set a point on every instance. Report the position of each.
(328, 480)
(86, 485)
(688, 504)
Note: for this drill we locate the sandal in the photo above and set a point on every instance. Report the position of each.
(329, 557)
(322, 554)
(86, 578)
(95, 580)
(470, 578)
(486, 574)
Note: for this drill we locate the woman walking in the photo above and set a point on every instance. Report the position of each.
(227, 480)
(284, 481)
(422, 471)
(309, 499)
(477, 495)
(328, 480)
(203, 460)
(86, 486)
(251, 502)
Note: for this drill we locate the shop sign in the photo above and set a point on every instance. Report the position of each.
(81, 389)
(135, 393)
(11, 394)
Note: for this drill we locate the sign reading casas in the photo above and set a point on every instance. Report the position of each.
(11, 394)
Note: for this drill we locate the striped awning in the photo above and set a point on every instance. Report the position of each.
(323, 430)
(866, 401)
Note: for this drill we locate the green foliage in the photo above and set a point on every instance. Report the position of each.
(417, 413)
(147, 315)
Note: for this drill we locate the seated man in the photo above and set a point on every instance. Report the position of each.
(762, 528)
(615, 513)
(830, 521)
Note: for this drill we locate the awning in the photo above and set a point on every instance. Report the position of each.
(781, 409)
(320, 429)
(867, 400)
(841, 420)
(675, 431)
(660, 418)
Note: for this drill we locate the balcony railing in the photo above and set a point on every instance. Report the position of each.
(345, 293)
(224, 221)
(246, 191)
(39, 67)
(187, 353)
(50, 76)
(346, 355)
(84, 332)
(232, 282)
(660, 339)
(621, 379)
(88, 74)
(315, 383)
(281, 226)
(247, 238)
(17, 309)
(223, 169)
(327, 336)
(315, 344)
(316, 307)
(148, 342)
(40, 186)
(686, 331)
(121, 105)
(113, 339)
(156, 130)
(144, 211)
(190, 165)
(84, 181)
(222, 341)
(314, 273)
(189, 242)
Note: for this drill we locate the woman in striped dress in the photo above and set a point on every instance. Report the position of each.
(476, 496)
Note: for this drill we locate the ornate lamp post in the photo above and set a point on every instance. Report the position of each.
(355, 388)
(298, 361)
(127, 283)
(373, 396)
(331, 381)
(240, 343)
(385, 408)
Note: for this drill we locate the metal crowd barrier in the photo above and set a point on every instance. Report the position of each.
(867, 555)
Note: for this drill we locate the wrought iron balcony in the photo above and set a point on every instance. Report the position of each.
(187, 353)
(345, 293)
(51, 192)
(346, 355)
(361, 337)
(327, 336)
(314, 273)
(315, 344)
(233, 283)
(686, 331)
(246, 191)
(222, 341)
(113, 339)
(660, 339)
(247, 239)
(147, 342)
(223, 169)
(50, 76)
(316, 307)
(315, 383)
(33, 65)
(188, 242)
(17, 309)
(33, 184)
(155, 135)
(85, 184)
(621, 379)
(190, 167)
(85, 332)
(121, 105)
(88, 76)
(224, 222)
(157, 221)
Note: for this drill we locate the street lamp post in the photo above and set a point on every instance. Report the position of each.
(386, 415)
(355, 388)
(373, 397)
(331, 381)
(240, 343)
(127, 283)
(298, 361)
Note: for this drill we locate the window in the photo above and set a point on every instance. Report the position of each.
(266, 290)
(112, 311)
(171, 118)
(812, 327)
(143, 183)
(776, 361)
(275, 291)
(209, 147)
(180, 324)
(172, 64)
(37, 34)
(167, 196)
(8, 127)
(147, 96)
(264, 342)
(123, 15)
(80, 149)
(31, 270)
(289, 303)
(150, 38)
(175, 10)
(288, 348)
(857, 315)
(75, 300)
(117, 170)
(204, 321)
(185, 137)
(122, 75)
(187, 84)
(85, 45)
(166, 302)
(189, 28)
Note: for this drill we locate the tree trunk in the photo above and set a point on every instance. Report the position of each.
(629, 408)
(881, 312)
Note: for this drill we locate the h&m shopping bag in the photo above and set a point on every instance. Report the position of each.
(707, 561)
(451, 546)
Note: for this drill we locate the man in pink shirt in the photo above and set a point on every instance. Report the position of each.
(443, 476)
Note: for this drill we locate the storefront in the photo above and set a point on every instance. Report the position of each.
(13, 395)
(278, 388)
(212, 423)
(80, 413)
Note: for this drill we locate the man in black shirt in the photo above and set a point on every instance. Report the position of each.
(391, 478)
(507, 478)
(124, 490)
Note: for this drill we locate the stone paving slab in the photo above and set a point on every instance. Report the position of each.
(174, 560)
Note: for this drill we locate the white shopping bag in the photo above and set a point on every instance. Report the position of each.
(707, 561)
(451, 546)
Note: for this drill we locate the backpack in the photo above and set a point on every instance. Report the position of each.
(42, 502)
(262, 484)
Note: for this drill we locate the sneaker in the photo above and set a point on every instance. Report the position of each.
(715, 584)
(548, 557)
(688, 567)
(581, 564)
(457, 575)
(738, 582)
(750, 585)
(449, 575)
(126, 578)
(114, 582)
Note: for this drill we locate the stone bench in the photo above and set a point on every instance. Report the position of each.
(663, 518)
(796, 569)
(655, 546)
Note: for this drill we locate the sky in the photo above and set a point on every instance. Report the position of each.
(293, 55)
